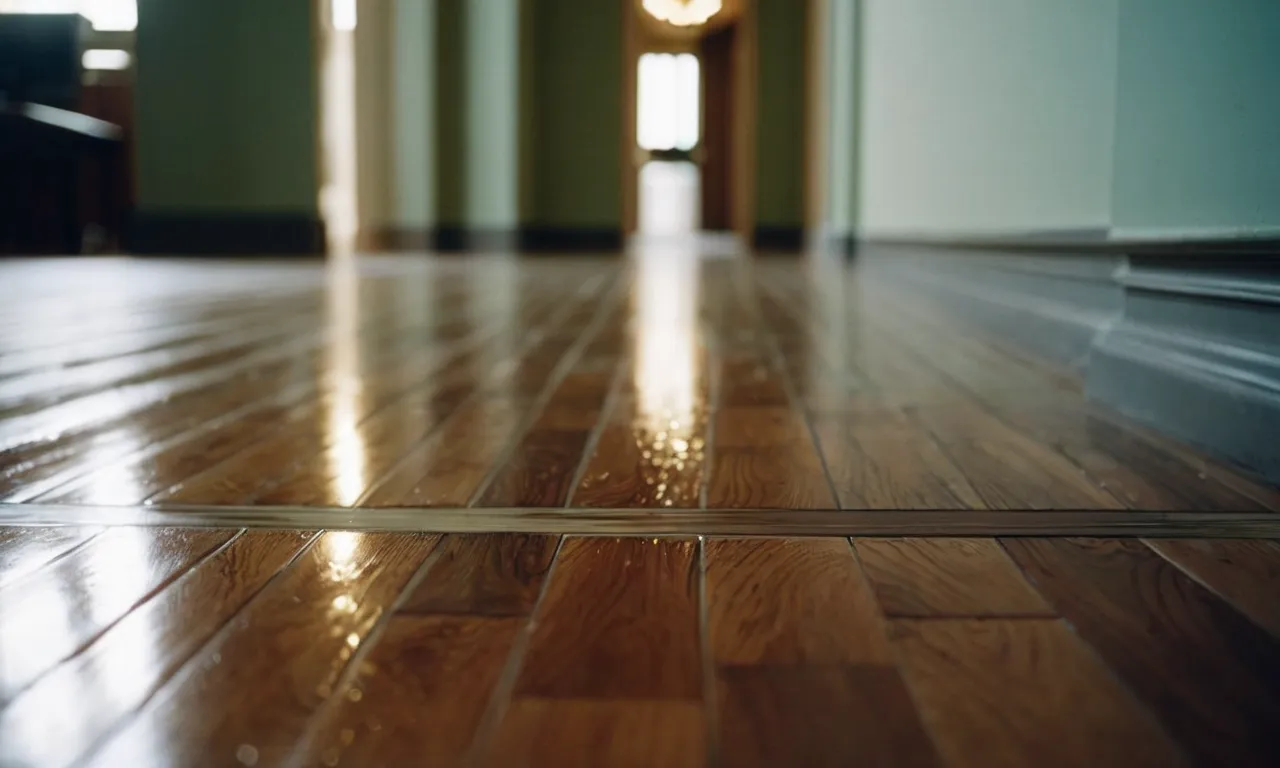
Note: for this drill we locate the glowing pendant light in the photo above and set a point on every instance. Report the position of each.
(683, 13)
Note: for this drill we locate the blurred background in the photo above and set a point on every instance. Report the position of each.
(242, 126)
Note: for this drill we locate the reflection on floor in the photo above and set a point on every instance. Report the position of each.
(489, 511)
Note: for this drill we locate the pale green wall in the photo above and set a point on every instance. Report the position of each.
(842, 53)
(576, 119)
(226, 106)
(492, 113)
(988, 116)
(413, 112)
(1198, 118)
(780, 103)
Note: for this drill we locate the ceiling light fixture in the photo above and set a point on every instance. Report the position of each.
(683, 13)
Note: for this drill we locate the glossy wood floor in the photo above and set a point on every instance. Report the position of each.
(660, 511)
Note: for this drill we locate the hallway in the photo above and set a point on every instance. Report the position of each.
(595, 510)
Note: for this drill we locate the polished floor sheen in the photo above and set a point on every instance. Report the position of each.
(650, 510)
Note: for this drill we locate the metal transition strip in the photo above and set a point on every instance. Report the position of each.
(667, 522)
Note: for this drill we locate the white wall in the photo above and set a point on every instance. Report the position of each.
(987, 116)
(1198, 119)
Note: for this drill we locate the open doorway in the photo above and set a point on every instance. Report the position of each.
(688, 159)
(668, 130)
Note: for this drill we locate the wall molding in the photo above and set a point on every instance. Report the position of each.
(1179, 336)
(1196, 353)
(1053, 301)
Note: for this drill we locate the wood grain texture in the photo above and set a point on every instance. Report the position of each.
(564, 733)
(628, 610)
(417, 697)
(857, 714)
(240, 395)
(234, 697)
(1244, 573)
(773, 478)
(484, 575)
(66, 712)
(1006, 692)
(58, 610)
(888, 465)
(790, 601)
(448, 467)
(540, 473)
(952, 577)
(1008, 470)
(1207, 672)
(1140, 471)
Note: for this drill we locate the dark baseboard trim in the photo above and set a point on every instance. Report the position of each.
(529, 239)
(455, 239)
(539, 239)
(776, 238)
(226, 234)
(399, 239)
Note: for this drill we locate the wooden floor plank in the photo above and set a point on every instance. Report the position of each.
(485, 575)
(887, 464)
(797, 601)
(937, 578)
(646, 458)
(819, 715)
(1008, 470)
(56, 611)
(231, 700)
(1207, 672)
(446, 469)
(628, 609)
(418, 696)
(1010, 692)
(632, 733)
(1142, 474)
(1245, 573)
(61, 717)
(25, 550)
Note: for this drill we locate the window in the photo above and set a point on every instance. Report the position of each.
(668, 91)
(105, 15)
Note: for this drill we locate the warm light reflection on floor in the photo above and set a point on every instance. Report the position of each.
(339, 207)
(347, 449)
(667, 365)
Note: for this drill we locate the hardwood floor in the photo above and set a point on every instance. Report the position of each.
(596, 511)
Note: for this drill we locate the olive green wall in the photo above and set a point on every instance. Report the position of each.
(576, 119)
(449, 112)
(780, 104)
(226, 106)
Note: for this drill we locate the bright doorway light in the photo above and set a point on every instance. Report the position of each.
(668, 91)
(105, 59)
(343, 13)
